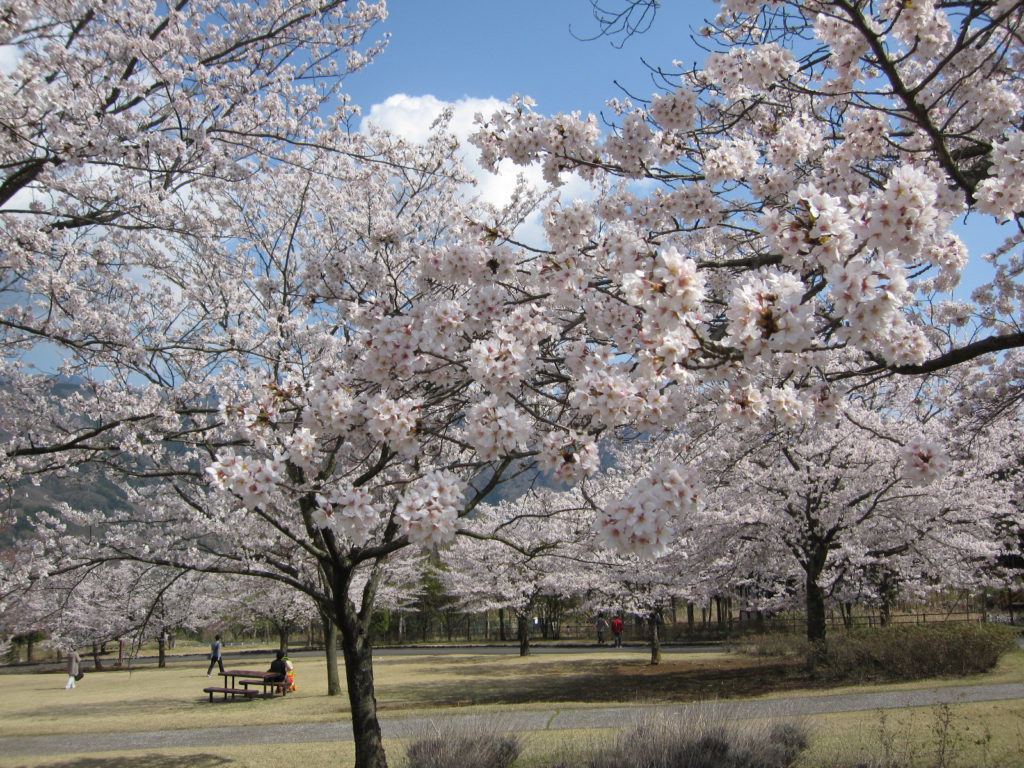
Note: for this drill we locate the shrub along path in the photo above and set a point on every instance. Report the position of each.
(516, 720)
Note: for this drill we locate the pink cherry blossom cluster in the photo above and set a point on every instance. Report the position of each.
(675, 111)
(496, 430)
(350, 512)
(641, 522)
(251, 480)
(1002, 195)
(523, 133)
(500, 362)
(429, 508)
(924, 461)
(921, 27)
(731, 160)
(739, 71)
(670, 291)
(394, 422)
(569, 458)
(767, 311)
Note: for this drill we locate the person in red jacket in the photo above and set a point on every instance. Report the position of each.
(617, 627)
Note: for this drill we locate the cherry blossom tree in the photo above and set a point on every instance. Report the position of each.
(299, 351)
(870, 492)
(801, 193)
(250, 602)
(127, 602)
(513, 554)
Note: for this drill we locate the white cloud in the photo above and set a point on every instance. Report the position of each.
(411, 118)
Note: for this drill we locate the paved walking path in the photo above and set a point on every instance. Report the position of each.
(541, 720)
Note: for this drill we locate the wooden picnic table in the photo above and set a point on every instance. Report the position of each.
(267, 680)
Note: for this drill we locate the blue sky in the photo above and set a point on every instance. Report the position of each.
(454, 49)
(473, 53)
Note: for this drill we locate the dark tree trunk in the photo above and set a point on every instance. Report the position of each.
(282, 638)
(331, 655)
(353, 624)
(689, 617)
(502, 634)
(655, 638)
(97, 664)
(162, 651)
(816, 625)
(523, 625)
(362, 699)
(887, 592)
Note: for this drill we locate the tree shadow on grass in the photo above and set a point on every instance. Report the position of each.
(600, 683)
(143, 761)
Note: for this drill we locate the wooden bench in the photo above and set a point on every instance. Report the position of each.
(250, 695)
(279, 685)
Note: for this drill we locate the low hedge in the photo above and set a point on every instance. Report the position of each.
(897, 652)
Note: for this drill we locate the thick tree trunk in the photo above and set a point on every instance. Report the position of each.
(655, 638)
(97, 664)
(162, 651)
(282, 638)
(331, 654)
(502, 635)
(689, 617)
(361, 696)
(816, 625)
(523, 625)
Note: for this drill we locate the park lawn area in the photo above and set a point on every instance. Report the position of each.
(171, 698)
(431, 685)
(147, 698)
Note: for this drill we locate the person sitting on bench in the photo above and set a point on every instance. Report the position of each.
(279, 668)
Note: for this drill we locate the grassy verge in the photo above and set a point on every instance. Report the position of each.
(977, 735)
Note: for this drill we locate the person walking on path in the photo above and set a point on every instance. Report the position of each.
(215, 656)
(617, 627)
(601, 625)
(74, 669)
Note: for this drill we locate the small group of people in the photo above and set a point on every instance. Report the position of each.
(616, 625)
(281, 666)
(283, 670)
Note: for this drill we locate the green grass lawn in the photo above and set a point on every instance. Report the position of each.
(171, 698)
